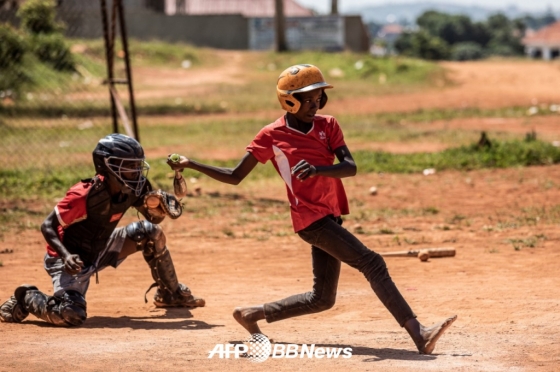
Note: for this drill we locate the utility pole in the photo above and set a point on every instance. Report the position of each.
(109, 34)
(334, 7)
(280, 23)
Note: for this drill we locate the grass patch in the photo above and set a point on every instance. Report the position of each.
(29, 182)
(354, 73)
(430, 211)
(499, 155)
(518, 244)
(363, 67)
(102, 109)
(437, 114)
(22, 218)
(32, 183)
(142, 52)
(386, 231)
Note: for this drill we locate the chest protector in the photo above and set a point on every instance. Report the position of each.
(88, 238)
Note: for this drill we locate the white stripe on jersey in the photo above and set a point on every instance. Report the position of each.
(62, 223)
(284, 168)
(58, 217)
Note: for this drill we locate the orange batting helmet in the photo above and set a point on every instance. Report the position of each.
(299, 79)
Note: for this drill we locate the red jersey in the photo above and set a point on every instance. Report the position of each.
(72, 209)
(317, 196)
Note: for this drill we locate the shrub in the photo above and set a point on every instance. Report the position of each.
(11, 81)
(12, 47)
(37, 17)
(499, 155)
(467, 51)
(429, 47)
(496, 49)
(52, 49)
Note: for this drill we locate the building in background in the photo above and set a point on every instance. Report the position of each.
(245, 24)
(248, 8)
(544, 43)
(385, 39)
(221, 24)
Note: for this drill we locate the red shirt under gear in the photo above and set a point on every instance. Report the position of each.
(71, 209)
(318, 196)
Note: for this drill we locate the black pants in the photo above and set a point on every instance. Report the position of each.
(331, 244)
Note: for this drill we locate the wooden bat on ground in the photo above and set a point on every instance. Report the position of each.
(422, 254)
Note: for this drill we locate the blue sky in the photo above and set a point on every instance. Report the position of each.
(323, 6)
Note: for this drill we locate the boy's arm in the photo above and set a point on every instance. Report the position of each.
(72, 262)
(345, 168)
(232, 176)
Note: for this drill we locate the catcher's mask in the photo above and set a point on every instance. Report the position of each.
(299, 79)
(121, 158)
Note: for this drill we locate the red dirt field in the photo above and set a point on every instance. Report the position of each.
(234, 246)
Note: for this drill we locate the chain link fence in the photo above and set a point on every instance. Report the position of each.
(54, 105)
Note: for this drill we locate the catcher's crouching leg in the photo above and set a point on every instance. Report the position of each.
(14, 311)
(170, 293)
(66, 310)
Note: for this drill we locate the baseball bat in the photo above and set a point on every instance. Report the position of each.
(433, 252)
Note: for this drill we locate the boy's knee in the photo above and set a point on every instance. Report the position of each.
(73, 308)
(323, 303)
(373, 267)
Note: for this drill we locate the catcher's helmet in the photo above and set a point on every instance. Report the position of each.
(299, 79)
(121, 158)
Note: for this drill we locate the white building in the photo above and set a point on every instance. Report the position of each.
(544, 43)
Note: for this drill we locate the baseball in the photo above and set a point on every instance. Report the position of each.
(152, 202)
(423, 255)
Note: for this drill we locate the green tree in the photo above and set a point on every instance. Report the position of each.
(38, 17)
(444, 36)
(403, 44)
(12, 73)
(506, 36)
(46, 39)
(453, 28)
(12, 47)
(422, 45)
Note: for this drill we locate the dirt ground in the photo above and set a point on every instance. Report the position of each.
(503, 283)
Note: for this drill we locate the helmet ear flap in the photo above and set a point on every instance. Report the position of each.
(289, 103)
(324, 99)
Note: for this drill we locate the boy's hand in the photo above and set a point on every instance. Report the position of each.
(177, 162)
(303, 170)
(73, 264)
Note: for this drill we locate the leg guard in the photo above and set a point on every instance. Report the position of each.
(67, 310)
(151, 240)
(143, 233)
(13, 310)
(170, 292)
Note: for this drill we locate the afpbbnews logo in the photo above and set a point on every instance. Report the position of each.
(258, 349)
(309, 351)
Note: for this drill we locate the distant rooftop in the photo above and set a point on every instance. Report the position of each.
(248, 8)
(549, 35)
(391, 28)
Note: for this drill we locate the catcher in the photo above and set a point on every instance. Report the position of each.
(82, 237)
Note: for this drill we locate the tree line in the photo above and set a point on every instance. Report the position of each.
(442, 36)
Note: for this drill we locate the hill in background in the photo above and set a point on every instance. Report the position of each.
(408, 12)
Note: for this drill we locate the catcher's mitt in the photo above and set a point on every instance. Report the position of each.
(158, 203)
